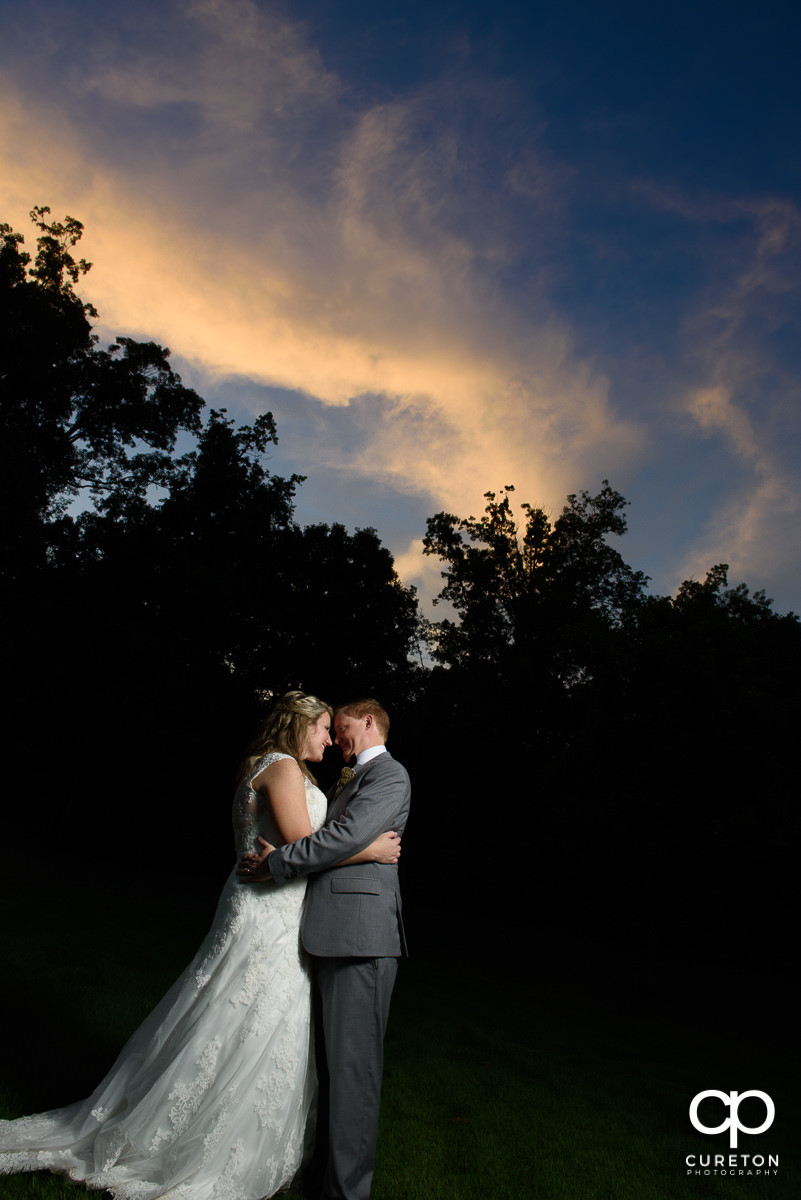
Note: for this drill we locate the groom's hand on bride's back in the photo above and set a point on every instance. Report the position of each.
(252, 868)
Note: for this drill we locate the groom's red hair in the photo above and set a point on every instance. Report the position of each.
(369, 707)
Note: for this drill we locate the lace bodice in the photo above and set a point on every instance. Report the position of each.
(253, 817)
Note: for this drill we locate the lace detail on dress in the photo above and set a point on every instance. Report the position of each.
(223, 936)
(222, 1120)
(28, 1127)
(160, 1138)
(284, 1065)
(113, 1147)
(188, 1096)
(250, 808)
(129, 1190)
(269, 986)
(225, 1188)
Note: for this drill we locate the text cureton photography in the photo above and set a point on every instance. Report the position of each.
(732, 1164)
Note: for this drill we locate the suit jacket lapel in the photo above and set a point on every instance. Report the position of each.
(337, 806)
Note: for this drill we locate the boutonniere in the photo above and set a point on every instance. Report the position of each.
(345, 776)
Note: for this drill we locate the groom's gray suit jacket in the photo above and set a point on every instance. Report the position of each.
(352, 911)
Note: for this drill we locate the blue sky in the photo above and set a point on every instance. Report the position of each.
(451, 246)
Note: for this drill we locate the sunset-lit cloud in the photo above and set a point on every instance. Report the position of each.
(759, 528)
(423, 258)
(370, 289)
(752, 401)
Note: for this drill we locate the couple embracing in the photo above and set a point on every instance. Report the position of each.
(214, 1096)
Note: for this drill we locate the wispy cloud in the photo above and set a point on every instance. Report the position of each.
(751, 400)
(345, 253)
(426, 261)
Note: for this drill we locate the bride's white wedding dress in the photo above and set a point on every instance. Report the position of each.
(211, 1098)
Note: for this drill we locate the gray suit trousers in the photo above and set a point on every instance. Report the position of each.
(355, 995)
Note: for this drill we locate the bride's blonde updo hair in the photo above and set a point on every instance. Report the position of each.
(285, 730)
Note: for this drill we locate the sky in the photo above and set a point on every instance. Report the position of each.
(451, 247)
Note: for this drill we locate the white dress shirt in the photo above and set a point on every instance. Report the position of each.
(370, 752)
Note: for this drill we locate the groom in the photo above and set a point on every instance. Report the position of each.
(352, 925)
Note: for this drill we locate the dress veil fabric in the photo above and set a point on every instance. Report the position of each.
(213, 1097)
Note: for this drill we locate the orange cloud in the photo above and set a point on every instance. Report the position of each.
(361, 287)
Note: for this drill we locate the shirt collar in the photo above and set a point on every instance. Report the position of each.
(370, 752)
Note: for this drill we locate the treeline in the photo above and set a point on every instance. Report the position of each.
(147, 623)
(601, 775)
(628, 760)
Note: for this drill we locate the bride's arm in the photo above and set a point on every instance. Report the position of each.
(281, 783)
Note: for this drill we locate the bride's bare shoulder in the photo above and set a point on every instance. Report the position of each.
(280, 770)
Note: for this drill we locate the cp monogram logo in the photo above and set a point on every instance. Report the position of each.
(732, 1099)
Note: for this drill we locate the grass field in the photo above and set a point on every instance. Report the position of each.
(497, 1084)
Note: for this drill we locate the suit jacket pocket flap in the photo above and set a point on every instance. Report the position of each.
(372, 887)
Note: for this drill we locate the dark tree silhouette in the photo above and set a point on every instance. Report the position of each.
(639, 749)
(498, 573)
(148, 628)
(73, 418)
(541, 605)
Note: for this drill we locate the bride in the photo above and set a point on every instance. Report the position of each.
(213, 1097)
